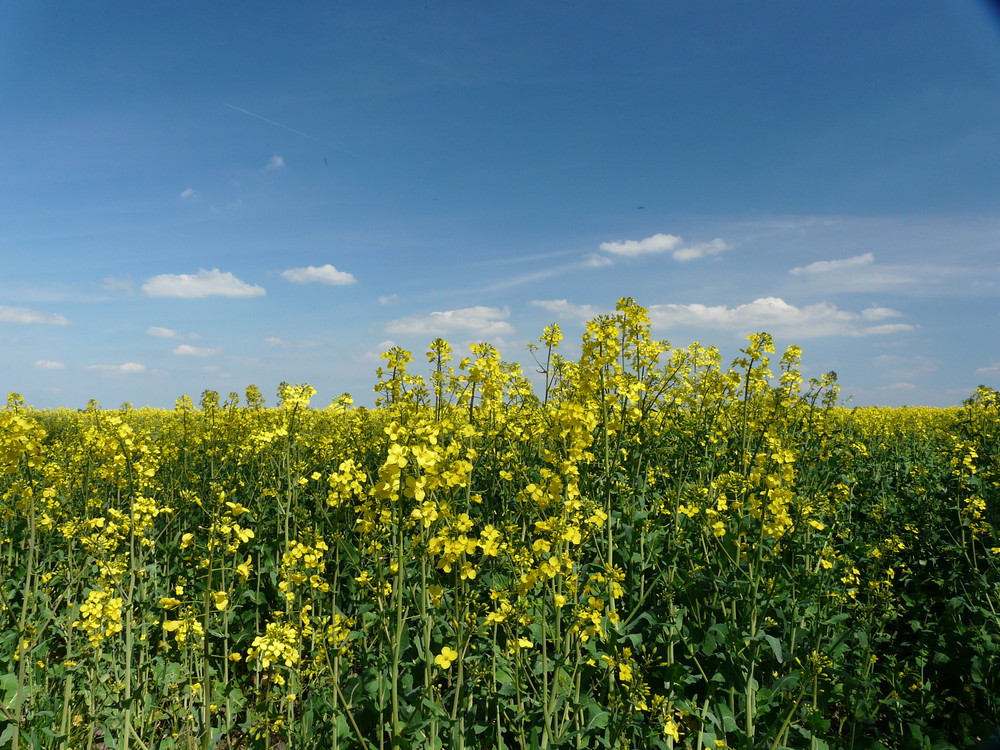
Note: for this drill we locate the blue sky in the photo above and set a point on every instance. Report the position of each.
(207, 195)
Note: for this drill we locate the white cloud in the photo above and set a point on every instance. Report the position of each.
(593, 260)
(375, 355)
(214, 283)
(189, 193)
(186, 350)
(235, 205)
(276, 162)
(565, 309)
(169, 333)
(387, 299)
(163, 333)
(128, 368)
(702, 249)
(25, 315)
(993, 369)
(658, 243)
(880, 313)
(775, 315)
(479, 320)
(900, 367)
(902, 386)
(825, 266)
(118, 285)
(276, 341)
(323, 274)
(47, 364)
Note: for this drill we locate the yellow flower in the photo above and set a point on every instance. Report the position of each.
(168, 602)
(670, 729)
(446, 657)
(243, 569)
(221, 600)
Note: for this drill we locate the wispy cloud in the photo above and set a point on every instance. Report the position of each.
(825, 266)
(168, 333)
(593, 260)
(128, 368)
(276, 341)
(901, 386)
(566, 309)
(375, 354)
(188, 193)
(479, 320)
(186, 350)
(658, 243)
(326, 274)
(901, 367)
(28, 316)
(276, 162)
(662, 243)
(214, 283)
(48, 364)
(235, 205)
(701, 250)
(387, 299)
(993, 369)
(112, 284)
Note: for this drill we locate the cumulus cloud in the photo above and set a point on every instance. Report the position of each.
(658, 243)
(479, 320)
(214, 283)
(276, 162)
(128, 368)
(48, 364)
(825, 266)
(774, 314)
(186, 350)
(326, 274)
(26, 315)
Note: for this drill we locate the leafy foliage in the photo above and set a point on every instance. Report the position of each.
(655, 551)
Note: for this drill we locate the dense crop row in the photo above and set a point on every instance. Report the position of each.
(654, 551)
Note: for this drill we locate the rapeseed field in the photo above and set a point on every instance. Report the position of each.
(651, 550)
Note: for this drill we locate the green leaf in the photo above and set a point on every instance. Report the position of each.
(8, 689)
(775, 645)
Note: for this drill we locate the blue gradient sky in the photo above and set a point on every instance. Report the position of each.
(207, 195)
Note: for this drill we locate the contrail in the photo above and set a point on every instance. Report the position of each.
(289, 129)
